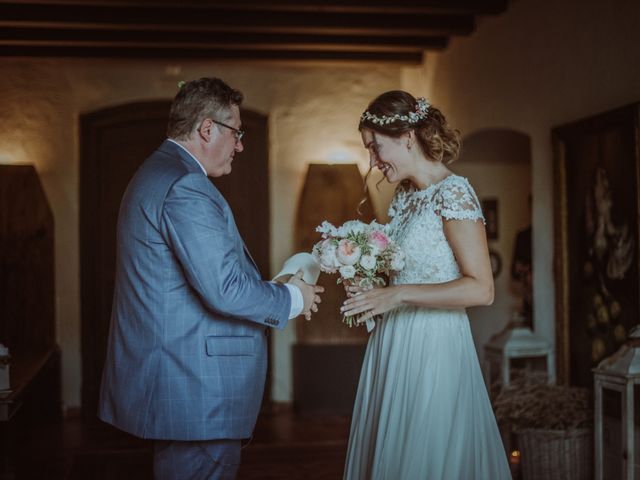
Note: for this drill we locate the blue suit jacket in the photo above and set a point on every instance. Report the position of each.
(187, 352)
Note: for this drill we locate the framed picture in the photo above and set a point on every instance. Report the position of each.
(596, 207)
(496, 262)
(490, 211)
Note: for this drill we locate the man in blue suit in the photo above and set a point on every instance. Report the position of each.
(187, 354)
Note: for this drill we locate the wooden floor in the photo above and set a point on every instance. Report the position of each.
(285, 446)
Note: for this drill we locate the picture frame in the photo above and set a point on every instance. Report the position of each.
(490, 212)
(496, 262)
(596, 258)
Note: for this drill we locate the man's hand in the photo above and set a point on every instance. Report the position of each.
(310, 294)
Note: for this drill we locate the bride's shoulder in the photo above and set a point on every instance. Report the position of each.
(455, 198)
(454, 180)
(455, 185)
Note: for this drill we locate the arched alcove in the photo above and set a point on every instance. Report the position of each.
(497, 161)
(496, 146)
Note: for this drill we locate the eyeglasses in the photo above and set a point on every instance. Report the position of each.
(238, 133)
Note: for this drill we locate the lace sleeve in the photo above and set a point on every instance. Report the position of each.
(456, 200)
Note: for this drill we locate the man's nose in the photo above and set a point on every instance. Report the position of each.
(239, 146)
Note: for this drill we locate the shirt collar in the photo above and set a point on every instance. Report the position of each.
(190, 154)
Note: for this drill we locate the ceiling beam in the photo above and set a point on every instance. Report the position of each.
(414, 57)
(360, 30)
(475, 7)
(11, 36)
(172, 18)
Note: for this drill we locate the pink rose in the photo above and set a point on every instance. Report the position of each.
(348, 252)
(378, 240)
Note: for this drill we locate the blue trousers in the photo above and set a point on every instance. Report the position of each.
(196, 460)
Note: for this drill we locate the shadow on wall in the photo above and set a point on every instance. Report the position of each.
(498, 165)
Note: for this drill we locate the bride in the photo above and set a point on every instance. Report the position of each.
(422, 409)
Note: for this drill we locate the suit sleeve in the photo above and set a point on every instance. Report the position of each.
(198, 234)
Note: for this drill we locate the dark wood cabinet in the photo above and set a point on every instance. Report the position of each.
(27, 309)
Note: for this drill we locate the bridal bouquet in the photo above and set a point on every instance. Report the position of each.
(360, 253)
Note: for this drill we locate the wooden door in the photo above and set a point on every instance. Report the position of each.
(114, 142)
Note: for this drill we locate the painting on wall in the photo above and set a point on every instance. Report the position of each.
(596, 209)
(490, 211)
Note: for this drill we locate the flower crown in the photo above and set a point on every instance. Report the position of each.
(420, 113)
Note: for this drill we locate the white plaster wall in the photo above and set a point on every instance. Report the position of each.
(539, 65)
(313, 118)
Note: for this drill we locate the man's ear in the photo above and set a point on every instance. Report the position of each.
(206, 130)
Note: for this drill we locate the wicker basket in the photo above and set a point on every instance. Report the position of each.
(556, 454)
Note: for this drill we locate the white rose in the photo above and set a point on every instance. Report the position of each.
(347, 272)
(397, 266)
(326, 229)
(397, 261)
(325, 254)
(351, 226)
(368, 262)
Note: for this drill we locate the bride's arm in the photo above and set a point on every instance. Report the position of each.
(468, 241)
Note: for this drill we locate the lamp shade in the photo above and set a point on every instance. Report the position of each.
(626, 361)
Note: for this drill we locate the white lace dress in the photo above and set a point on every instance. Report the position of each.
(422, 409)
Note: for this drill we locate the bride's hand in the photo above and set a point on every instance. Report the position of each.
(352, 287)
(371, 302)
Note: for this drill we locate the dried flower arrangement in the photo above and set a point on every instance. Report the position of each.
(528, 402)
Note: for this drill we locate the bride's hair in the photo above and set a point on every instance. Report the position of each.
(396, 112)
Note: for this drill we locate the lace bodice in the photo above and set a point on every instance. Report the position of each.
(417, 225)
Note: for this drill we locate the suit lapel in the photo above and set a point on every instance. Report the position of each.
(233, 229)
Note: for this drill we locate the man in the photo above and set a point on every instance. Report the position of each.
(186, 361)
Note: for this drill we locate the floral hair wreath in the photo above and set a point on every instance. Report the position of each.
(420, 113)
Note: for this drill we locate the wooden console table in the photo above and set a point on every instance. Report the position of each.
(34, 379)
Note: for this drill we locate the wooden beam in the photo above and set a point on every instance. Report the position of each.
(172, 18)
(474, 7)
(359, 30)
(407, 58)
(12, 36)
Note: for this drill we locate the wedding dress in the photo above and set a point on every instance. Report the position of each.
(422, 409)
